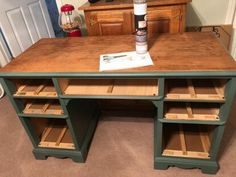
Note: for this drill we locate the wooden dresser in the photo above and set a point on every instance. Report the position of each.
(114, 18)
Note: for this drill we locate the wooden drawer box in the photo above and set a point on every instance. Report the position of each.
(111, 87)
(188, 141)
(52, 133)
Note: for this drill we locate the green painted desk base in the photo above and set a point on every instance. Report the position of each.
(76, 155)
(73, 114)
(207, 166)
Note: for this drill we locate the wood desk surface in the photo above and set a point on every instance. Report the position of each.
(185, 52)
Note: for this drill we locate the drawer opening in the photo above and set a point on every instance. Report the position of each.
(132, 108)
(189, 141)
(52, 133)
(34, 87)
(115, 87)
(42, 107)
(191, 111)
(195, 89)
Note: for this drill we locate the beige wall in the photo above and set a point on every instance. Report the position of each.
(207, 12)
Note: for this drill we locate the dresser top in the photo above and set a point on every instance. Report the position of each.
(187, 52)
(118, 4)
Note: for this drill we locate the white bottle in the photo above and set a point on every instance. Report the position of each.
(140, 16)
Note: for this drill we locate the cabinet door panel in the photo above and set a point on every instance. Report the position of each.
(111, 28)
(115, 22)
(158, 26)
(164, 20)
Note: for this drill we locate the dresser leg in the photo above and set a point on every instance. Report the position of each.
(210, 170)
(40, 156)
(161, 166)
(78, 159)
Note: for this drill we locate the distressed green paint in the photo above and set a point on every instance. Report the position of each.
(89, 135)
(207, 166)
(29, 130)
(65, 101)
(59, 92)
(226, 107)
(43, 153)
(197, 101)
(216, 141)
(35, 97)
(111, 97)
(192, 122)
(154, 74)
(158, 136)
(49, 116)
(57, 86)
(82, 144)
(160, 109)
(72, 132)
(161, 87)
(9, 94)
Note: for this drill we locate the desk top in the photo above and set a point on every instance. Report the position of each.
(187, 52)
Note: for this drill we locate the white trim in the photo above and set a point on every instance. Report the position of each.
(233, 37)
(1, 91)
(230, 12)
(5, 56)
(59, 4)
(3, 60)
(233, 44)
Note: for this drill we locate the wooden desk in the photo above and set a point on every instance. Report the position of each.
(55, 87)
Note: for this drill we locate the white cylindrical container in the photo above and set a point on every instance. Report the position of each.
(140, 16)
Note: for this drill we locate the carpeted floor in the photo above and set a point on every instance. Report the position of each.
(121, 147)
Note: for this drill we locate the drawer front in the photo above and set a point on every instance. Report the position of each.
(109, 22)
(166, 19)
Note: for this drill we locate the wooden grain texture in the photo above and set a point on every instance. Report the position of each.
(195, 89)
(117, 17)
(128, 87)
(118, 4)
(186, 141)
(186, 52)
(191, 111)
(109, 22)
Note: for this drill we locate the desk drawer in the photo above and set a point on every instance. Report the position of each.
(195, 89)
(32, 88)
(109, 87)
(40, 106)
(192, 111)
(51, 133)
(188, 141)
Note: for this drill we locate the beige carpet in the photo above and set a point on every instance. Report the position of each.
(121, 147)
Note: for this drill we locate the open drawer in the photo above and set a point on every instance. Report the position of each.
(115, 87)
(42, 107)
(34, 87)
(52, 133)
(191, 111)
(190, 141)
(195, 89)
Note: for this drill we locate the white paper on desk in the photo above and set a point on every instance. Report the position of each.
(124, 60)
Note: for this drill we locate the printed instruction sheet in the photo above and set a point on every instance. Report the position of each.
(124, 60)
